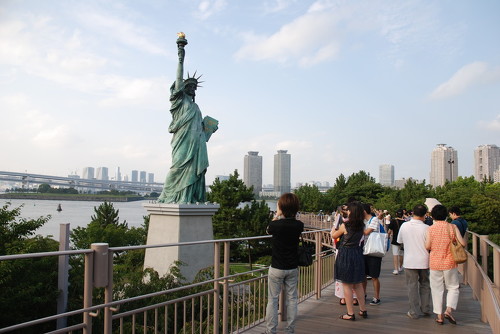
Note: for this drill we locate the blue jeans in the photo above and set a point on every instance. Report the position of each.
(276, 279)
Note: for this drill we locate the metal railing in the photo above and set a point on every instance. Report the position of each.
(482, 273)
(226, 303)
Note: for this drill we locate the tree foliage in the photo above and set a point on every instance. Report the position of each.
(25, 294)
(105, 227)
(479, 201)
(233, 221)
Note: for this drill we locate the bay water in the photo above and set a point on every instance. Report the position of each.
(76, 213)
(79, 213)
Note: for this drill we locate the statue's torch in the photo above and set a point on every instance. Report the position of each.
(181, 39)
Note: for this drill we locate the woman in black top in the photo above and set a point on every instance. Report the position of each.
(397, 250)
(350, 264)
(286, 231)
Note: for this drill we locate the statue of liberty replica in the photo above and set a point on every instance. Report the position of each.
(181, 213)
(185, 182)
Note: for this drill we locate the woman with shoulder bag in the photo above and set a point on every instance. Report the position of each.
(443, 268)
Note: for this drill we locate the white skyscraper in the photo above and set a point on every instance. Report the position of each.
(386, 175)
(142, 176)
(252, 171)
(282, 172)
(88, 173)
(486, 161)
(444, 165)
(118, 175)
(135, 176)
(151, 177)
(102, 173)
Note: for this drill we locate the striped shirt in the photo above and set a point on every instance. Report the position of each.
(440, 234)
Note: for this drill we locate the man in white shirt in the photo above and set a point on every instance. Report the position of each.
(416, 263)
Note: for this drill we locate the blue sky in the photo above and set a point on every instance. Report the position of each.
(342, 85)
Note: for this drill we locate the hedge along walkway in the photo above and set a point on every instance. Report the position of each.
(322, 315)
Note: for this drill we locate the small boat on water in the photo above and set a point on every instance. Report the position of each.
(59, 209)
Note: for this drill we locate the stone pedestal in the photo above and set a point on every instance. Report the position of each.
(173, 223)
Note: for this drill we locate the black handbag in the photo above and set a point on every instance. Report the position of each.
(305, 254)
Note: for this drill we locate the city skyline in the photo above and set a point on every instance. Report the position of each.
(492, 163)
(341, 84)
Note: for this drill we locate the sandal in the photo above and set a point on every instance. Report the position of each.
(342, 301)
(439, 321)
(355, 302)
(364, 314)
(348, 316)
(450, 318)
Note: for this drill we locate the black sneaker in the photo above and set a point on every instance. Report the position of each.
(375, 301)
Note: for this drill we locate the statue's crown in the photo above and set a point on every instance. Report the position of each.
(193, 79)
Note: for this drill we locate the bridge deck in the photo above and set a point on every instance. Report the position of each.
(320, 316)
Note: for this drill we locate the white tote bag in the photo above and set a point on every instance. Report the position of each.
(375, 245)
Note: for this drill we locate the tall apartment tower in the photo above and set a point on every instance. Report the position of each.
(135, 176)
(142, 176)
(386, 175)
(252, 171)
(444, 165)
(282, 172)
(102, 173)
(118, 174)
(486, 161)
(151, 177)
(88, 173)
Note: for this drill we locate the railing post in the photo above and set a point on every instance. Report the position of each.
(318, 268)
(484, 253)
(87, 291)
(496, 271)
(474, 246)
(101, 277)
(108, 297)
(225, 300)
(63, 270)
(216, 287)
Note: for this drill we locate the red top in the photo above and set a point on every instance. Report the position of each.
(441, 234)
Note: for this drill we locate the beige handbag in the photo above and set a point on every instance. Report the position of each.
(457, 250)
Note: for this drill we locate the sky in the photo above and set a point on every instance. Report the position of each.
(342, 85)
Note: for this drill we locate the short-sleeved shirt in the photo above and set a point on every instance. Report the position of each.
(440, 235)
(285, 241)
(372, 223)
(461, 224)
(394, 226)
(412, 234)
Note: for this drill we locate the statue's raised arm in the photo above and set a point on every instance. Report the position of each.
(181, 52)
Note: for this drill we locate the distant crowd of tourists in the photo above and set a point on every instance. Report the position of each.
(420, 241)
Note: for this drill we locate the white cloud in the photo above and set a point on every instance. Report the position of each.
(207, 8)
(317, 35)
(493, 125)
(37, 46)
(469, 76)
(308, 39)
(123, 31)
(33, 126)
(275, 6)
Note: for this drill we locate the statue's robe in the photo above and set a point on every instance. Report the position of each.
(185, 182)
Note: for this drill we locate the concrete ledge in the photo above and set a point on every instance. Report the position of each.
(204, 209)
